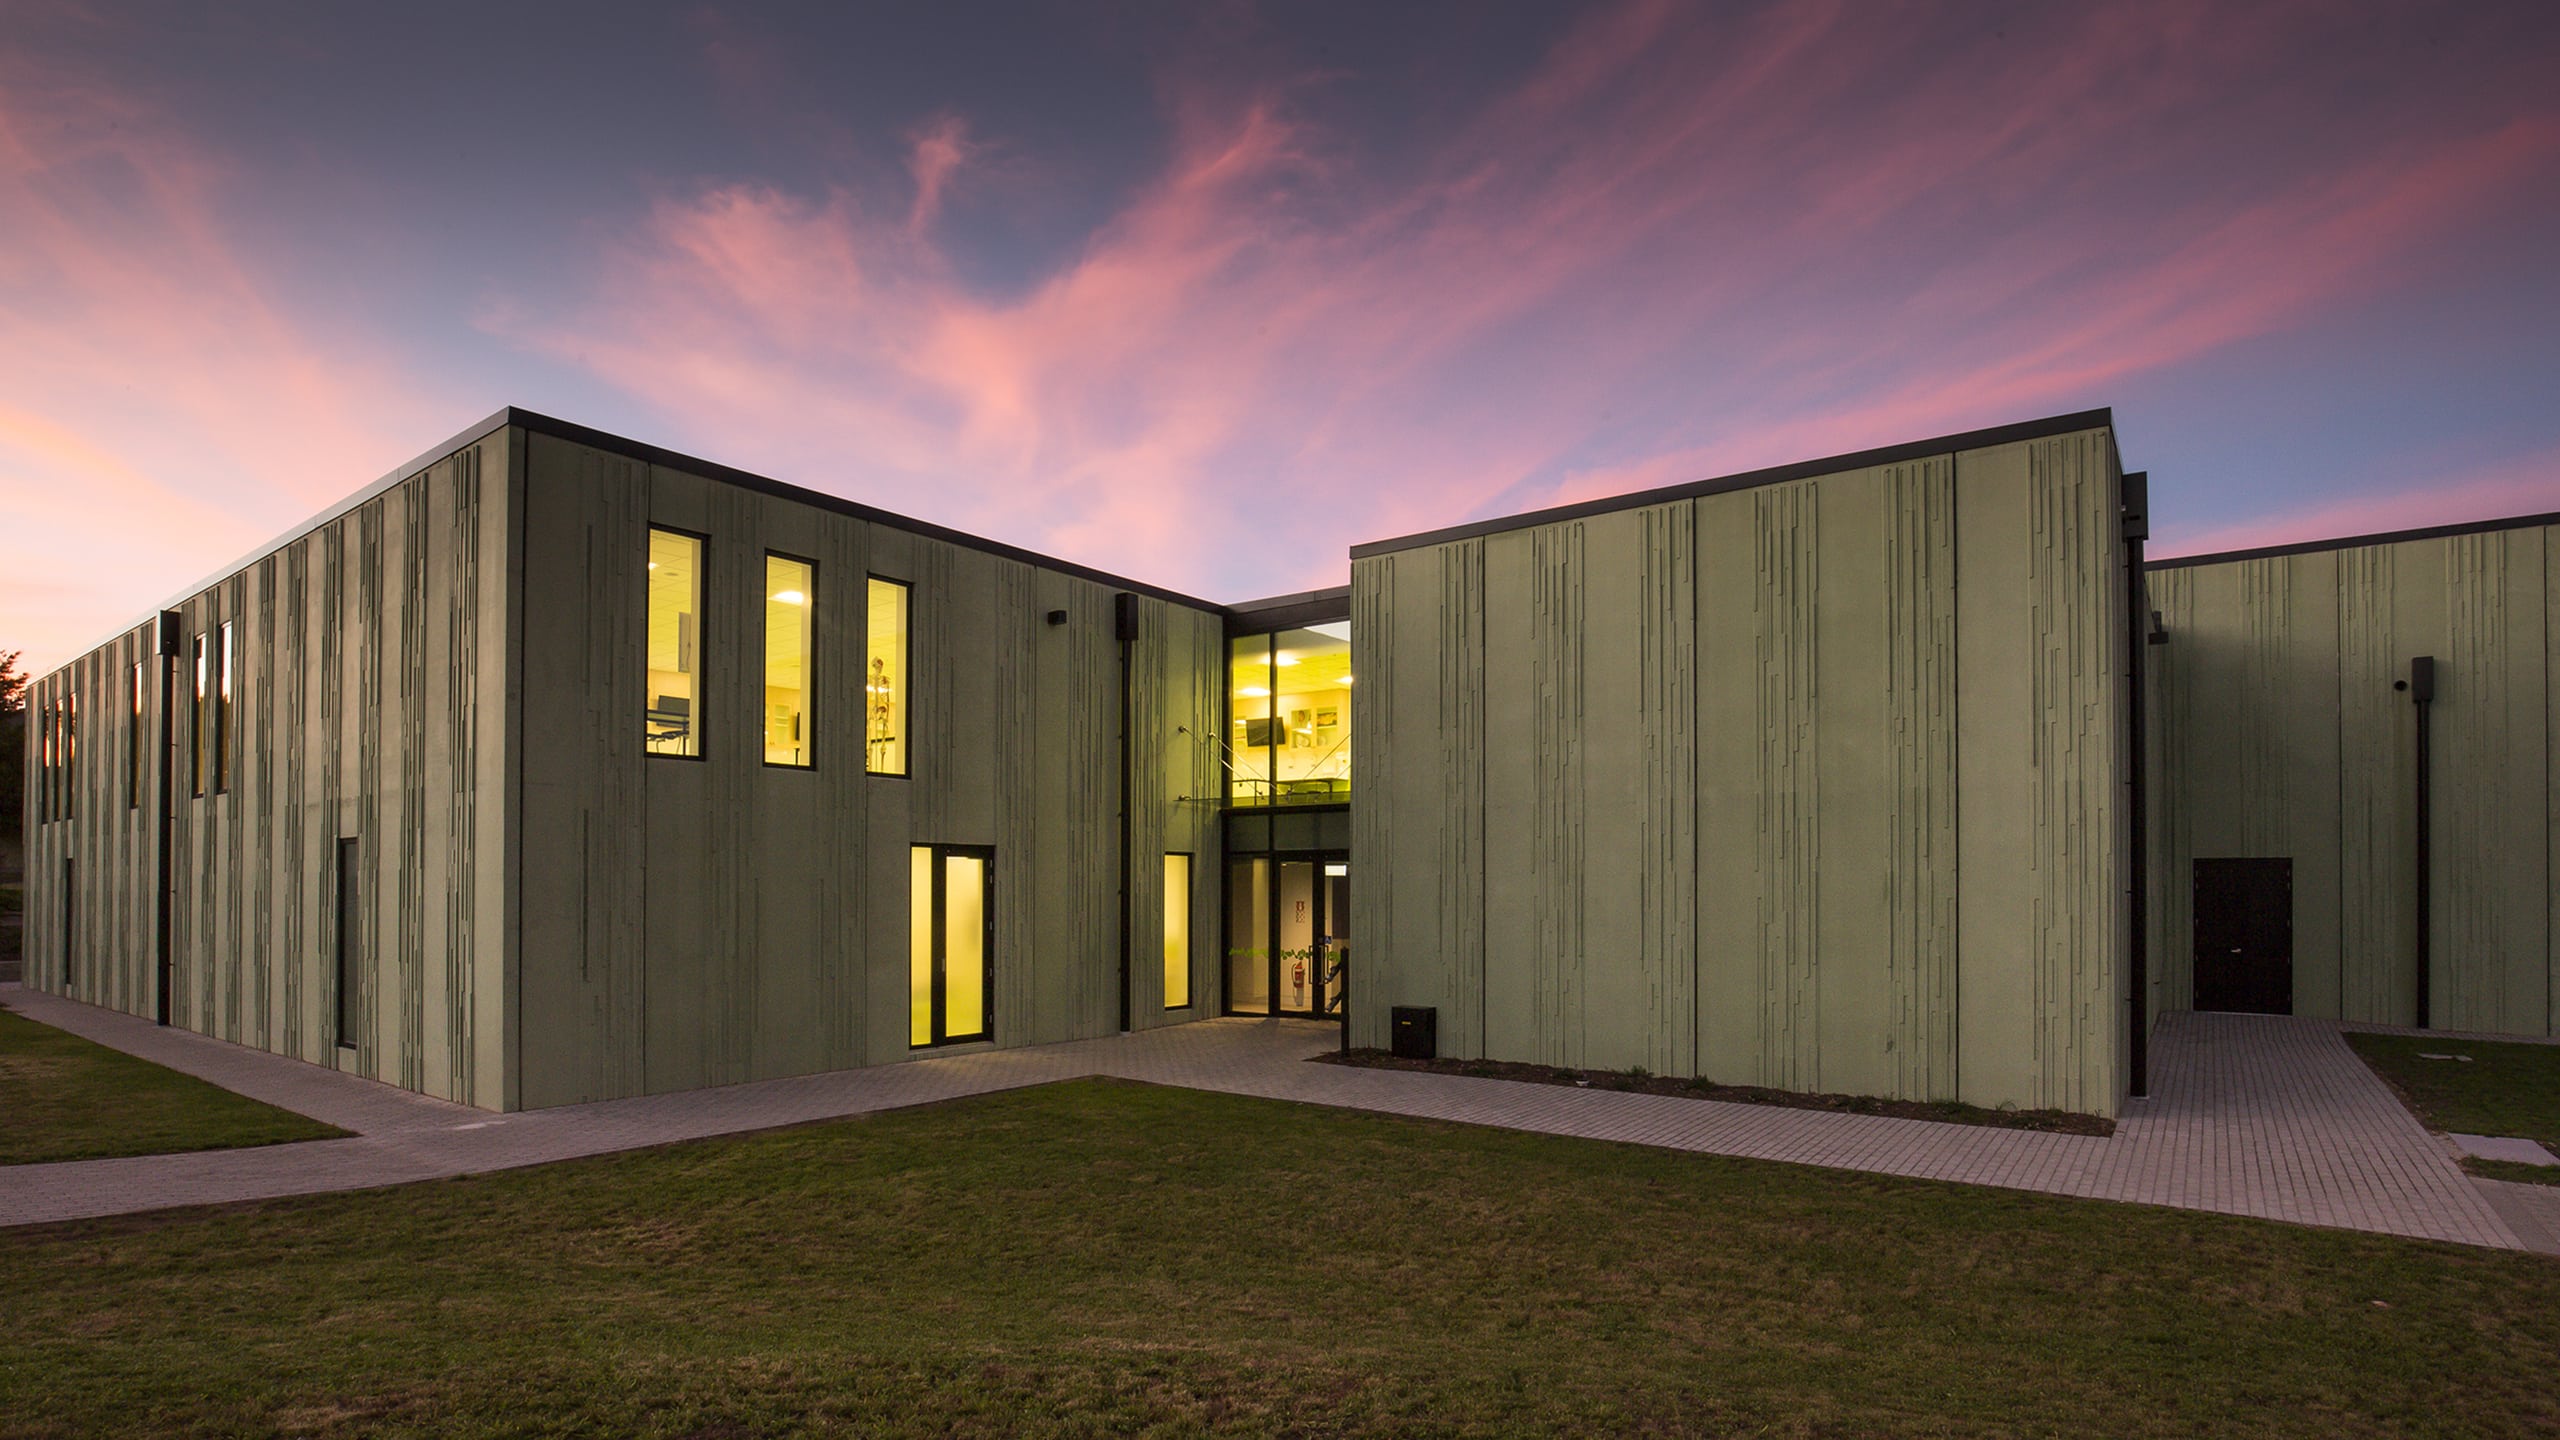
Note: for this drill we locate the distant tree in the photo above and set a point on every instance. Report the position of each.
(13, 745)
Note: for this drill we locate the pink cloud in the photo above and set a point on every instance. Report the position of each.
(1283, 326)
(161, 410)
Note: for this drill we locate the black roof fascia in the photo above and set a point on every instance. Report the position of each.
(2103, 417)
(2354, 542)
(540, 424)
(1290, 612)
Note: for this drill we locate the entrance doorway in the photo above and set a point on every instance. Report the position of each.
(1288, 933)
(951, 944)
(2244, 936)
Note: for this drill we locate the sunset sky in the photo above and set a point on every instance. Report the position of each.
(1204, 294)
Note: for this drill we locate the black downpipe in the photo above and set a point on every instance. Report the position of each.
(163, 902)
(2422, 693)
(2137, 617)
(1124, 626)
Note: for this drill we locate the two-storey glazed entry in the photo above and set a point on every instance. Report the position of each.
(1290, 687)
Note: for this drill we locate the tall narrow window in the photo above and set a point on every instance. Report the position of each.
(70, 917)
(222, 712)
(675, 644)
(884, 684)
(950, 943)
(45, 738)
(790, 597)
(199, 731)
(1311, 715)
(1250, 732)
(350, 939)
(70, 753)
(1177, 931)
(133, 744)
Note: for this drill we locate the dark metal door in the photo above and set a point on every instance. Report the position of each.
(2244, 936)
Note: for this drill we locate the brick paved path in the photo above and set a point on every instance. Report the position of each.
(2249, 1115)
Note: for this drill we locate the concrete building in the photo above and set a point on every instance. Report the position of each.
(558, 767)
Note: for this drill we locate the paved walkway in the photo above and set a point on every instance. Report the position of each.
(2250, 1115)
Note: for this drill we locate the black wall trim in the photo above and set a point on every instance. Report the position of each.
(1290, 612)
(2358, 542)
(2102, 418)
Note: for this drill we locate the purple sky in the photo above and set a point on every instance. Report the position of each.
(1205, 294)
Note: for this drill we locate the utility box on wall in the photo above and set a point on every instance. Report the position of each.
(1414, 1032)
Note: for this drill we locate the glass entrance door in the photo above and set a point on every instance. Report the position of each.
(1285, 915)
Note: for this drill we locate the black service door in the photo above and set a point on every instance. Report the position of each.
(2244, 936)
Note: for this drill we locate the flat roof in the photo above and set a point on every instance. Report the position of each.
(534, 422)
(2101, 418)
(2354, 542)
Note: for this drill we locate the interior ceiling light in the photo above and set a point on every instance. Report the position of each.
(1284, 658)
(1254, 692)
(1346, 679)
(653, 564)
(789, 597)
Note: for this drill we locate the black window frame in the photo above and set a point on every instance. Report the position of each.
(986, 1031)
(348, 971)
(224, 686)
(1191, 930)
(699, 719)
(196, 717)
(808, 664)
(133, 743)
(906, 677)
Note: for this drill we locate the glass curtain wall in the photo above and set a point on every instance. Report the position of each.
(1248, 937)
(1289, 734)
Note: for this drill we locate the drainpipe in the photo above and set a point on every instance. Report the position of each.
(171, 624)
(2422, 693)
(2138, 638)
(1124, 625)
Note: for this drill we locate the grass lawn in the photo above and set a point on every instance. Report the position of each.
(1102, 1257)
(65, 1098)
(2503, 1089)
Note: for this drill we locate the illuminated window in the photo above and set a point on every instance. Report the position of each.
(70, 751)
(1311, 715)
(790, 597)
(950, 943)
(1249, 731)
(1177, 931)
(674, 695)
(1249, 936)
(222, 712)
(884, 683)
(133, 744)
(199, 723)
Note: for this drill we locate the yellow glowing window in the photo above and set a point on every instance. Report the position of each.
(948, 961)
(920, 945)
(790, 597)
(674, 694)
(1177, 931)
(884, 683)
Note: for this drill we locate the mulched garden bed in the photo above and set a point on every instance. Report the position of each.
(2061, 1122)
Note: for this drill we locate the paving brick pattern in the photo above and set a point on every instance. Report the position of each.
(2250, 1115)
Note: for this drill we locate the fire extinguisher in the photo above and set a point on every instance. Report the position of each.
(1298, 980)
